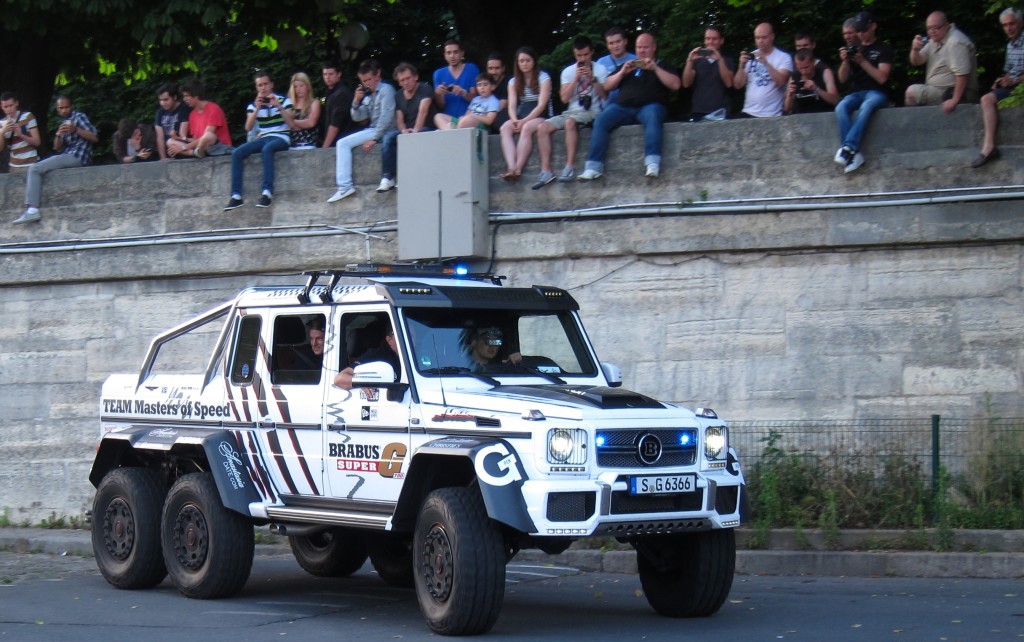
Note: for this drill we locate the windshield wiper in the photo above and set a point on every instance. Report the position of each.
(544, 375)
(459, 370)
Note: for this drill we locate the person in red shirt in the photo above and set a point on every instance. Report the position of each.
(207, 127)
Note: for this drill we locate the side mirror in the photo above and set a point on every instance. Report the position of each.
(612, 373)
(373, 375)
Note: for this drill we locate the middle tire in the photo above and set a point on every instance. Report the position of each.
(207, 548)
(459, 558)
(391, 556)
(335, 552)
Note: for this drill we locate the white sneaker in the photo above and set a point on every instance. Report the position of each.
(653, 169)
(340, 194)
(29, 215)
(589, 175)
(858, 160)
(844, 156)
(386, 184)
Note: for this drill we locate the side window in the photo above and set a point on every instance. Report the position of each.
(297, 350)
(247, 342)
(368, 336)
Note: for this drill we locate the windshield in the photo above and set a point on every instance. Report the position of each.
(497, 342)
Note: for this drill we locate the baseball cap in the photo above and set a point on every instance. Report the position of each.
(862, 21)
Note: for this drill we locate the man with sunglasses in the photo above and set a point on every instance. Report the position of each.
(866, 64)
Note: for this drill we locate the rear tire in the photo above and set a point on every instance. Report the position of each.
(687, 575)
(391, 556)
(459, 563)
(335, 552)
(126, 528)
(208, 549)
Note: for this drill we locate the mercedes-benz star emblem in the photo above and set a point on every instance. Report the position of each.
(648, 448)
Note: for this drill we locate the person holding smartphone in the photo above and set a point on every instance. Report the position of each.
(764, 72)
(710, 73)
(272, 115)
(73, 146)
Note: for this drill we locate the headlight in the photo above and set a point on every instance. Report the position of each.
(715, 442)
(567, 446)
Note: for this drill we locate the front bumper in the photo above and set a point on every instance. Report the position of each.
(603, 506)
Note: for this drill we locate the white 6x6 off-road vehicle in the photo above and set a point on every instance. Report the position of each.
(436, 425)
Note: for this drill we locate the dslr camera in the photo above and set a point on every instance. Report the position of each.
(852, 50)
(586, 101)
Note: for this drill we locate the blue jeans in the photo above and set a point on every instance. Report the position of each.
(389, 155)
(651, 116)
(267, 146)
(865, 102)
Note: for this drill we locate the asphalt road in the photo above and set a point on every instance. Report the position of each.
(53, 598)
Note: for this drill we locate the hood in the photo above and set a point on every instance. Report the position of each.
(561, 402)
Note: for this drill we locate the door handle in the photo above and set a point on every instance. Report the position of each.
(266, 422)
(336, 427)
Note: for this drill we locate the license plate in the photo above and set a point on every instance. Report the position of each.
(656, 484)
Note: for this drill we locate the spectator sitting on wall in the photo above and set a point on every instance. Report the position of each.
(19, 133)
(764, 72)
(134, 142)
(171, 119)
(617, 43)
(414, 112)
(337, 112)
(304, 129)
(483, 109)
(455, 84)
(812, 87)
(1013, 70)
(529, 103)
(710, 73)
(866, 64)
(207, 127)
(374, 100)
(495, 68)
(582, 89)
(73, 143)
(272, 115)
(644, 85)
(951, 67)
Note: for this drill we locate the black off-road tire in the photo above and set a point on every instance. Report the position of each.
(126, 528)
(207, 548)
(687, 575)
(391, 556)
(335, 552)
(459, 563)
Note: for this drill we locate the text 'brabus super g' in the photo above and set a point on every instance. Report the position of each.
(436, 425)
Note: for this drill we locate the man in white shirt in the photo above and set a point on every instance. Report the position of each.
(765, 73)
(582, 89)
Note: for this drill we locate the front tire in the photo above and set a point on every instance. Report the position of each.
(208, 549)
(335, 552)
(126, 528)
(391, 556)
(459, 563)
(687, 575)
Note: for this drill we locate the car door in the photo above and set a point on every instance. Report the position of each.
(367, 427)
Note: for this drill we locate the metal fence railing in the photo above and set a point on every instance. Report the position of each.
(964, 448)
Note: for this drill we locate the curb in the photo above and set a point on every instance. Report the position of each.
(777, 562)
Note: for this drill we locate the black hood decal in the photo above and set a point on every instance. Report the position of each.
(597, 396)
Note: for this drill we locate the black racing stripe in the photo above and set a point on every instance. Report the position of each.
(245, 403)
(232, 402)
(302, 462)
(282, 404)
(282, 464)
(256, 457)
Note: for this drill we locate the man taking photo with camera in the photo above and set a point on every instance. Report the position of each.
(866, 65)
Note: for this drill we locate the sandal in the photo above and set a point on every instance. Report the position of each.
(509, 175)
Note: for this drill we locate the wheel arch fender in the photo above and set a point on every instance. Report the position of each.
(493, 464)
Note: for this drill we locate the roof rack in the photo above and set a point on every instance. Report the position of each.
(370, 270)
